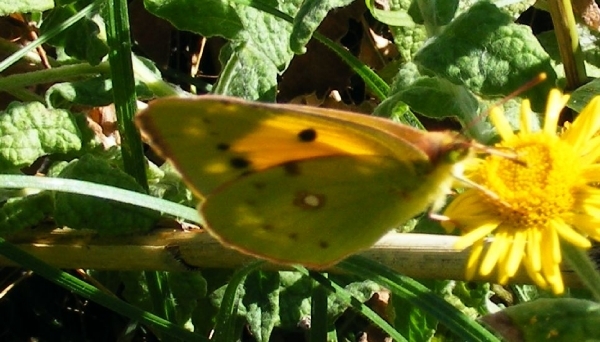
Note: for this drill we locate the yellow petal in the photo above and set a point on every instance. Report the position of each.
(476, 234)
(496, 250)
(592, 173)
(501, 123)
(556, 102)
(534, 274)
(590, 151)
(585, 126)
(554, 278)
(517, 251)
(468, 202)
(569, 234)
(525, 118)
(558, 287)
(550, 259)
(473, 262)
(534, 239)
(587, 224)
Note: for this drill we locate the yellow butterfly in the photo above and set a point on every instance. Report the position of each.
(296, 184)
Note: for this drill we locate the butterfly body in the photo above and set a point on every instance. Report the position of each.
(296, 184)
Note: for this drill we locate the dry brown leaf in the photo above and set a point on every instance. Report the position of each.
(103, 121)
(588, 11)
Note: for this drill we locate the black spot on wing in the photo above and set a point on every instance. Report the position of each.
(291, 168)
(239, 163)
(307, 135)
(223, 147)
(293, 236)
(323, 244)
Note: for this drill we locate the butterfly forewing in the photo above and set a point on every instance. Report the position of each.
(221, 138)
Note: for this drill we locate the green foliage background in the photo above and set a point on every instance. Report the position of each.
(455, 57)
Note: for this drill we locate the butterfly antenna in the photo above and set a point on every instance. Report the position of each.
(520, 90)
(523, 88)
(503, 152)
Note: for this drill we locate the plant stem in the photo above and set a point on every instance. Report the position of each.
(581, 263)
(568, 42)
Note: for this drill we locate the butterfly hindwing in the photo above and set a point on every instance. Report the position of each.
(317, 211)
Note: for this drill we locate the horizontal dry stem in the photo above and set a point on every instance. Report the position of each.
(416, 255)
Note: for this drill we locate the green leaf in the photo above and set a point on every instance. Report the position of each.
(437, 13)
(187, 289)
(397, 18)
(246, 74)
(262, 303)
(412, 322)
(166, 183)
(24, 212)
(259, 47)
(184, 289)
(290, 299)
(29, 131)
(555, 319)
(362, 290)
(494, 59)
(310, 15)
(228, 324)
(94, 92)
(438, 98)
(106, 217)
(132, 285)
(583, 95)
(258, 54)
(395, 109)
(419, 296)
(348, 299)
(80, 41)
(283, 300)
(266, 33)
(514, 8)
(205, 17)
(294, 299)
(408, 38)
(472, 296)
(206, 311)
(24, 6)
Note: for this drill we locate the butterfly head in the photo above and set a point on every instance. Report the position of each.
(447, 148)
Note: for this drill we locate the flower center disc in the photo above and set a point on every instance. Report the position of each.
(536, 186)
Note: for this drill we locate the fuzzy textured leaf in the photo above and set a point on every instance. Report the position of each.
(310, 15)
(262, 303)
(106, 217)
(24, 6)
(23, 212)
(495, 59)
(90, 92)
(556, 319)
(29, 131)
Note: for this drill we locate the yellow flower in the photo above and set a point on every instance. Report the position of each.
(528, 204)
